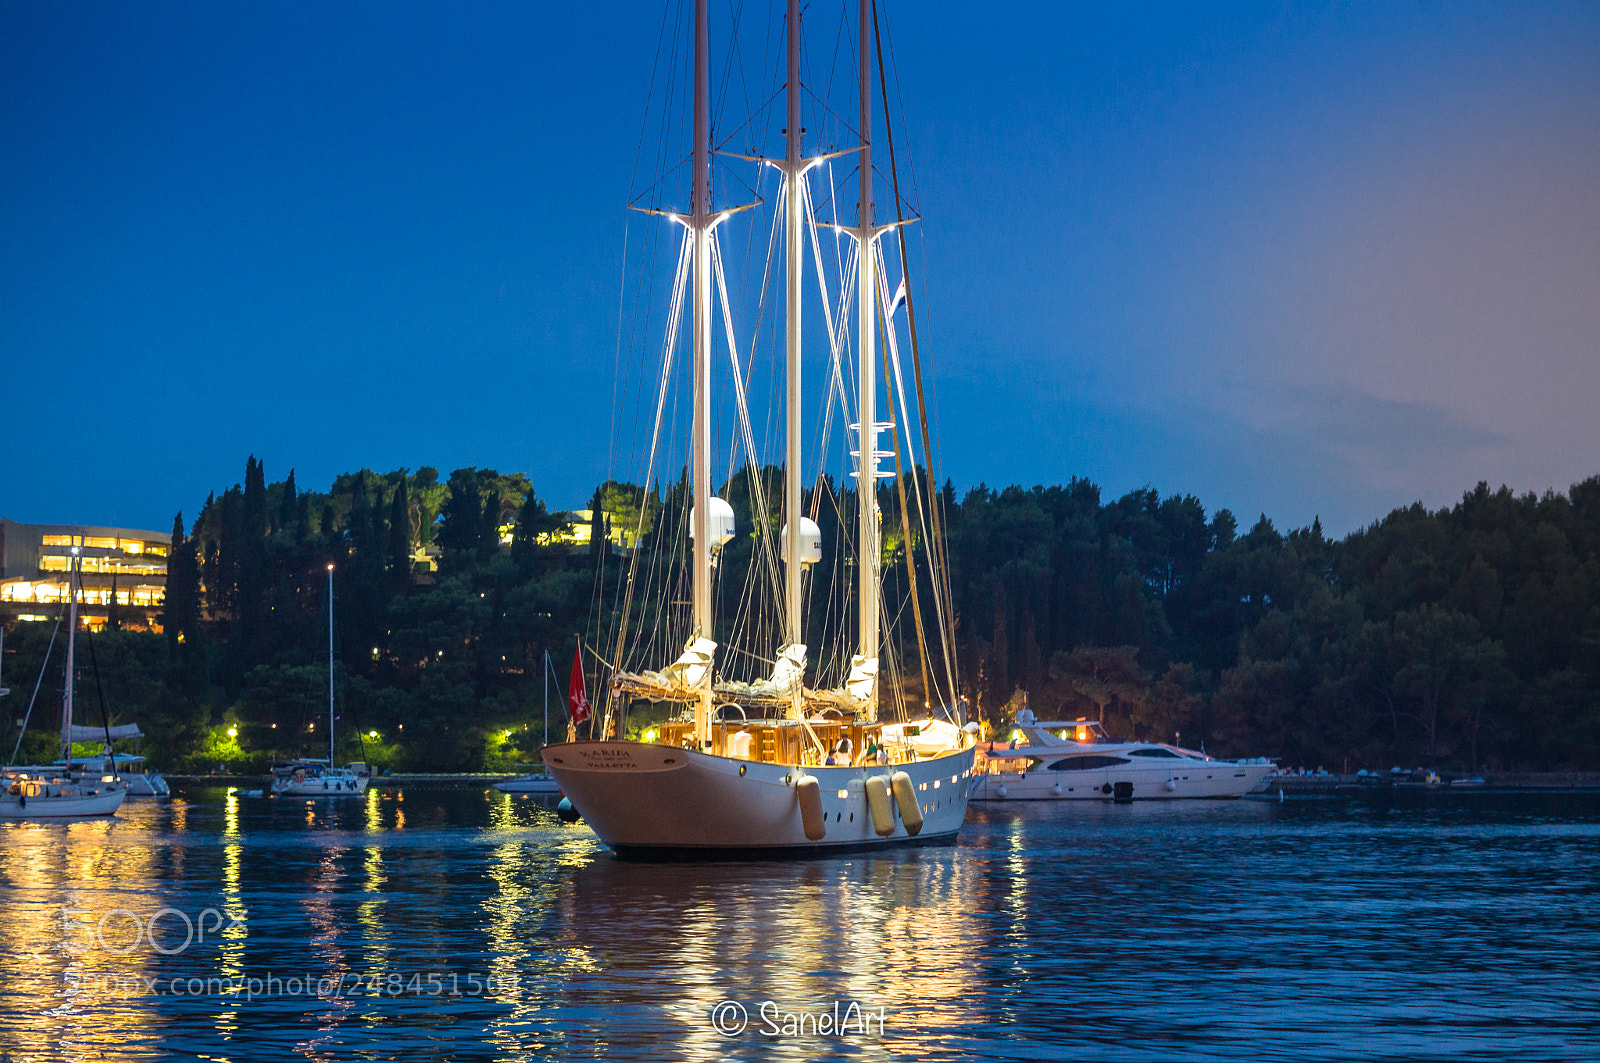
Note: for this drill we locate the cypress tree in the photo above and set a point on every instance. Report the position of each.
(490, 537)
(288, 506)
(224, 590)
(400, 539)
(113, 613)
(255, 525)
(180, 614)
(597, 524)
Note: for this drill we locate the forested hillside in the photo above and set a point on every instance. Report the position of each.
(1467, 637)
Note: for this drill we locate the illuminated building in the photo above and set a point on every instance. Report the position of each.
(34, 572)
(576, 530)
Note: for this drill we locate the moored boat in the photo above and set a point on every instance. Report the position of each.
(64, 790)
(1075, 760)
(312, 777)
(767, 765)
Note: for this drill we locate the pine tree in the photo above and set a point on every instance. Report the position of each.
(533, 520)
(462, 529)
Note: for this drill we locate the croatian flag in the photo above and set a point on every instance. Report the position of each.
(577, 699)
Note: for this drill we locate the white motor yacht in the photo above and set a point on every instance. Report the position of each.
(128, 768)
(1075, 760)
(535, 782)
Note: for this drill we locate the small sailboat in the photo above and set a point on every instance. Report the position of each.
(314, 777)
(63, 790)
(769, 766)
(539, 781)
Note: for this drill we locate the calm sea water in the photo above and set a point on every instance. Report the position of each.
(463, 925)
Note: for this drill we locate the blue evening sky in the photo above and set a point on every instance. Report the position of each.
(1307, 259)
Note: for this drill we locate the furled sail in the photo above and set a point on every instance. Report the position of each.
(682, 680)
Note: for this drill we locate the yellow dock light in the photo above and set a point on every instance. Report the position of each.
(233, 732)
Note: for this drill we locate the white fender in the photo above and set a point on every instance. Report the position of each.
(905, 795)
(809, 793)
(878, 805)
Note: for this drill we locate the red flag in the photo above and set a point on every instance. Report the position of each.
(577, 699)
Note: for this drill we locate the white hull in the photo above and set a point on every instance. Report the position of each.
(146, 785)
(326, 787)
(1154, 781)
(645, 799)
(62, 806)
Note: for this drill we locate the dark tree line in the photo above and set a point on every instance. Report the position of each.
(1467, 637)
(1464, 637)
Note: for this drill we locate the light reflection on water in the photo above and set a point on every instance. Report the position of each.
(1465, 926)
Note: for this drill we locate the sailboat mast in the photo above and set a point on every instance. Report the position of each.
(72, 642)
(330, 666)
(700, 225)
(867, 433)
(791, 459)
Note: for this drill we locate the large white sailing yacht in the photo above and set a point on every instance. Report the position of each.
(773, 767)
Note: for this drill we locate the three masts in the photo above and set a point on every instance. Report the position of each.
(780, 776)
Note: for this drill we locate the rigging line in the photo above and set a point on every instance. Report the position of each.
(675, 318)
(100, 692)
(899, 388)
(596, 610)
(37, 682)
(734, 61)
(758, 488)
(644, 124)
(749, 121)
(937, 556)
(911, 162)
(905, 516)
(836, 388)
(834, 330)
